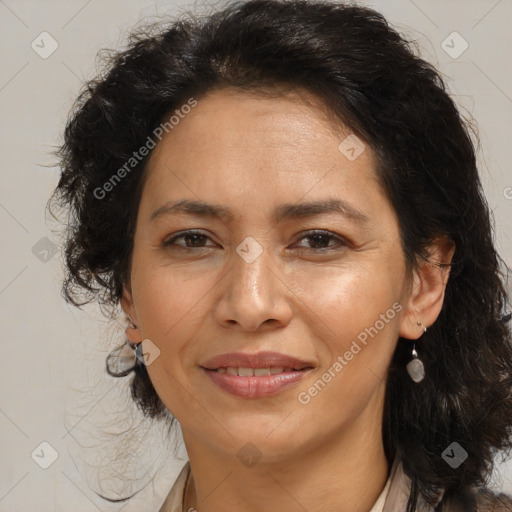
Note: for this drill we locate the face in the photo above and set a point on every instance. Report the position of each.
(324, 283)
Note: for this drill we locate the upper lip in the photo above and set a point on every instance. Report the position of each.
(258, 360)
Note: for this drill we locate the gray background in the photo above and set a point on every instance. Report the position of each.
(54, 388)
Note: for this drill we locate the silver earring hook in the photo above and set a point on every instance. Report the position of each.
(421, 325)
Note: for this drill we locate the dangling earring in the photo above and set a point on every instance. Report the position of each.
(415, 367)
(136, 346)
(123, 359)
(138, 352)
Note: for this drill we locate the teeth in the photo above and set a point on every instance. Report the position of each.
(261, 371)
(250, 372)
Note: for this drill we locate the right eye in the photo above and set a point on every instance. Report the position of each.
(193, 239)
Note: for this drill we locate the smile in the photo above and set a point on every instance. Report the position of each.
(255, 382)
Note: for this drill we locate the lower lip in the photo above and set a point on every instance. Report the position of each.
(257, 386)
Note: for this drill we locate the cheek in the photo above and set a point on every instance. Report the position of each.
(353, 315)
(347, 299)
(169, 304)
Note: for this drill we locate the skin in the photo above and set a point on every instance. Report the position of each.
(250, 154)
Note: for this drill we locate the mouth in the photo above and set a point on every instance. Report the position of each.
(255, 375)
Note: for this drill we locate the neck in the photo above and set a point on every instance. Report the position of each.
(345, 473)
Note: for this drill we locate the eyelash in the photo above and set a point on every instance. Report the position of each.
(309, 234)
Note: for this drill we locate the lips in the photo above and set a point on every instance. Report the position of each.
(259, 360)
(255, 375)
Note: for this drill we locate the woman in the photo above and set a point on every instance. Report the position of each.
(284, 201)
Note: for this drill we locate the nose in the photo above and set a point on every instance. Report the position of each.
(254, 296)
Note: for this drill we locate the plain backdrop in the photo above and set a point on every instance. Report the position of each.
(54, 389)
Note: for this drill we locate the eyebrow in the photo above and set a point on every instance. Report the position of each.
(282, 212)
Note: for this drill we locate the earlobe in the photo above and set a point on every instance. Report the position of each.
(426, 297)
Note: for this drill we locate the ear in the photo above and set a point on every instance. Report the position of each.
(427, 290)
(127, 303)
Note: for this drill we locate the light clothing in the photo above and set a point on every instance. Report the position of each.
(393, 497)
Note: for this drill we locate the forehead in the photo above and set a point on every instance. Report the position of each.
(266, 148)
(238, 120)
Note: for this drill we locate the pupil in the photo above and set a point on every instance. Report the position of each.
(318, 239)
(195, 239)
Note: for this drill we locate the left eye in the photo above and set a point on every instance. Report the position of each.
(321, 238)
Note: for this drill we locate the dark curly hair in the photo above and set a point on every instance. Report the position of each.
(373, 81)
